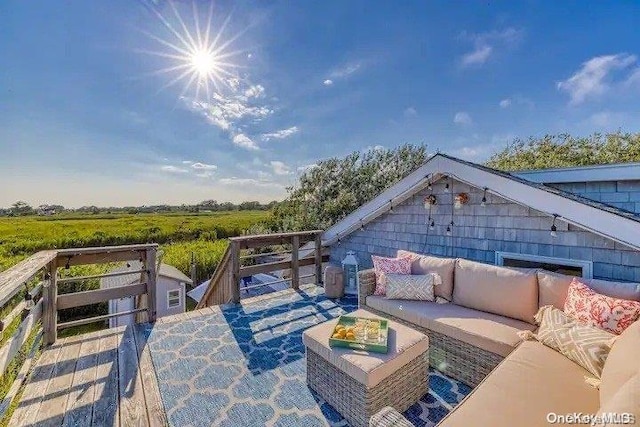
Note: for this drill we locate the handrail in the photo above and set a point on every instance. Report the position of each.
(226, 278)
(216, 278)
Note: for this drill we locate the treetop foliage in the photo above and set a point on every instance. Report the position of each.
(336, 187)
(564, 150)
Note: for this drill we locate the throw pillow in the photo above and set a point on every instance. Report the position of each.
(586, 345)
(388, 265)
(411, 287)
(591, 308)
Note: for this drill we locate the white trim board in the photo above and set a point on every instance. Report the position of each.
(607, 224)
(616, 172)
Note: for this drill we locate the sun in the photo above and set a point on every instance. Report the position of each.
(203, 62)
(200, 58)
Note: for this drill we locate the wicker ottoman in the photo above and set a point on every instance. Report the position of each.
(358, 384)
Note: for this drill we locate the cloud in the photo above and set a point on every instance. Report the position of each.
(595, 77)
(249, 182)
(505, 103)
(279, 168)
(486, 44)
(477, 56)
(241, 107)
(173, 169)
(244, 141)
(205, 174)
(327, 82)
(462, 118)
(342, 72)
(204, 166)
(254, 91)
(305, 168)
(280, 134)
(410, 112)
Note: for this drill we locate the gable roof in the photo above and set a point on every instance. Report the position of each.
(597, 217)
(165, 270)
(592, 173)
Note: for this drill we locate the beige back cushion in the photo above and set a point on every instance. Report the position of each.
(425, 264)
(554, 287)
(625, 401)
(622, 363)
(497, 290)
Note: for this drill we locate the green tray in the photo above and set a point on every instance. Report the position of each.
(378, 346)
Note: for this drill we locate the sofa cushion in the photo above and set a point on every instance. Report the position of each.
(444, 267)
(625, 401)
(490, 332)
(622, 362)
(531, 382)
(405, 344)
(586, 345)
(554, 288)
(497, 290)
(400, 265)
(591, 308)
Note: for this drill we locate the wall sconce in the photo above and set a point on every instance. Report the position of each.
(460, 199)
(430, 201)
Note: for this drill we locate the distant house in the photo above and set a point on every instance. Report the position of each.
(170, 292)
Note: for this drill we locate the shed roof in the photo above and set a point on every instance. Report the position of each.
(166, 270)
(602, 219)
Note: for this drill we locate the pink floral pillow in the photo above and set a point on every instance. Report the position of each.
(388, 265)
(594, 309)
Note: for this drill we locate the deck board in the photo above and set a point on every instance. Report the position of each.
(132, 403)
(105, 406)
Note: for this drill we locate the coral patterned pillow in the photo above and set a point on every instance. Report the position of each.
(388, 265)
(591, 308)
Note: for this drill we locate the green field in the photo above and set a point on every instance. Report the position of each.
(179, 235)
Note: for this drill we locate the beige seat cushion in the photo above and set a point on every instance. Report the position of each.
(625, 401)
(497, 290)
(622, 362)
(425, 264)
(491, 332)
(554, 288)
(531, 382)
(405, 344)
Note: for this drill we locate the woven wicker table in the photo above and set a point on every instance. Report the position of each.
(358, 384)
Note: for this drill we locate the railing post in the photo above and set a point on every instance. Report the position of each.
(235, 272)
(50, 296)
(319, 259)
(150, 265)
(295, 264)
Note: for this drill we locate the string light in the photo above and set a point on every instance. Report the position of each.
(446, 187)
(361, 225)
(432, 224)
(449, 228)
(483, 203)
(554, 229)
(28, 299)
(391, 208)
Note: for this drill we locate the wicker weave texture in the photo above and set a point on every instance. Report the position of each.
(389, 417)
(357, 403)
(456, 359)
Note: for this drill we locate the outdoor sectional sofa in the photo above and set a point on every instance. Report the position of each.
(474, 339)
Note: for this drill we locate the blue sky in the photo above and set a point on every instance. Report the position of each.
(87, 116)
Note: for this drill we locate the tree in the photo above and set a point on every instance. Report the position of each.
(564, 150)
(21, 208)
(336, 187)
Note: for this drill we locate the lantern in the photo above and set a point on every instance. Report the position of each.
(350, 268)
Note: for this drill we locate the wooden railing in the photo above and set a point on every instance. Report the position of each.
(305, 250)
(38, 317)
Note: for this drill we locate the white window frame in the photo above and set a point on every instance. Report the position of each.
(587, 266)
(169, 297)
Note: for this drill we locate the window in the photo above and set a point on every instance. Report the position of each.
(173, 298)
(572, 267)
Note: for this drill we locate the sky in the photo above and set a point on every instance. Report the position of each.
(123, 102)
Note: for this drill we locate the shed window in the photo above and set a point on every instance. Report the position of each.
(173, 298)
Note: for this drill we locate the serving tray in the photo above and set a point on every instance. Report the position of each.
(368, 340)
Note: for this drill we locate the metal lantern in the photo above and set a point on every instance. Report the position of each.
(350, 268)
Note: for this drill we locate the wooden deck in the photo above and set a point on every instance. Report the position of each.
(104, 378)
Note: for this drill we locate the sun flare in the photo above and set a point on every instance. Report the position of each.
(201, 59)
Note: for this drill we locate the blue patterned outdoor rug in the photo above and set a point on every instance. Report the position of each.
(244, 366)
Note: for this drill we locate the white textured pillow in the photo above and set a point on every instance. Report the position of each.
(411, 287)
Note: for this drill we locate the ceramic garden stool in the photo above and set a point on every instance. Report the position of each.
(358, 383)
(333, 282)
